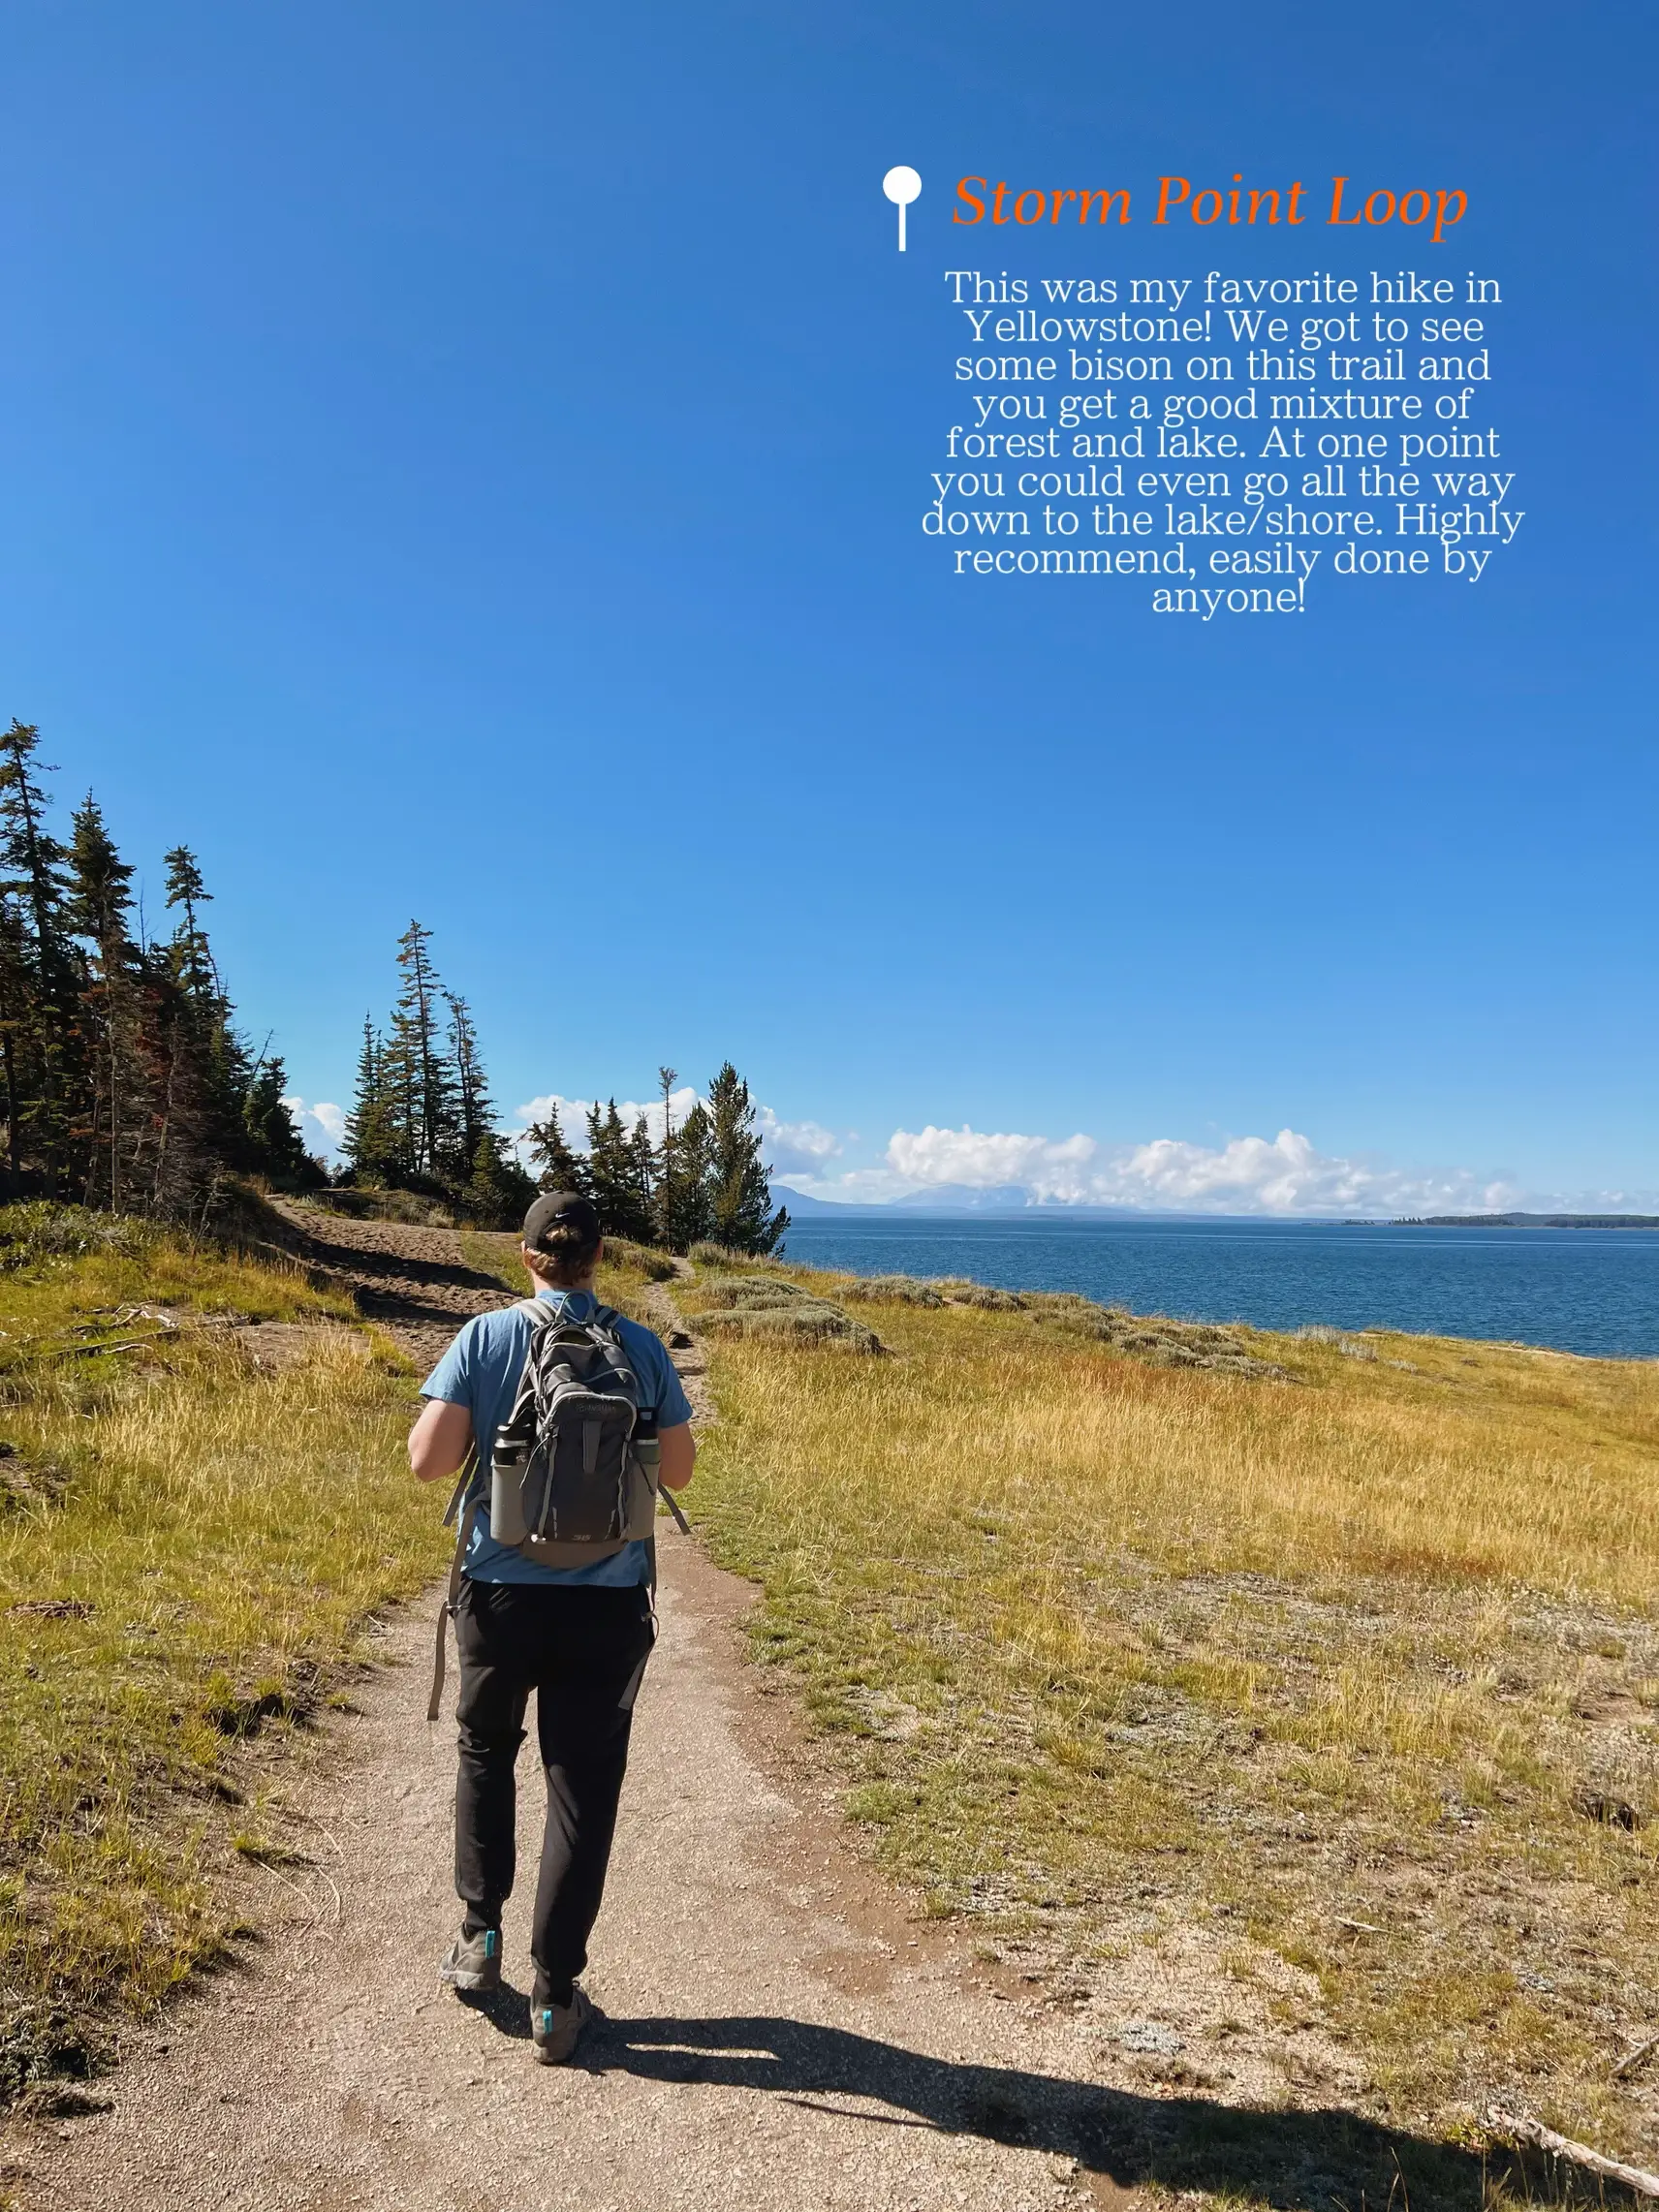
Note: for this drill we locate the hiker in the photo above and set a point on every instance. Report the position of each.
(570, 1615)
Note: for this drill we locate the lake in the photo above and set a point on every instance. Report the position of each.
(1580, 1290)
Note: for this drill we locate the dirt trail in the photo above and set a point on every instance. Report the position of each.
(414, 1282)
(777, 2030)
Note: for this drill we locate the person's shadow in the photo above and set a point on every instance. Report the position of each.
(1304, 2161)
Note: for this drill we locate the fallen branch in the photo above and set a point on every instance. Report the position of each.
(89, 1351)
(169, 1329)
(1579, 2154)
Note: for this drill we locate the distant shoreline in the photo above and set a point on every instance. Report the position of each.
(1528, 1221)
(807, 1212)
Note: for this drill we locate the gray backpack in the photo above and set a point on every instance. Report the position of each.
(573, 1472)
(571, 1475)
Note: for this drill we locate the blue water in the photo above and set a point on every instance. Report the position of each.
(1581, 1290)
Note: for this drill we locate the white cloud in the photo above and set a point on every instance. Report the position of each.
(1249, 1175)
(795, 1147)
(1284, 1175)
(327, 1124)
(1049, 1169)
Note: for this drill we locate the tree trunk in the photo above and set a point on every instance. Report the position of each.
(13, 1156)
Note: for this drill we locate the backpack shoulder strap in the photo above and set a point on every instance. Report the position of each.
(458, 1565)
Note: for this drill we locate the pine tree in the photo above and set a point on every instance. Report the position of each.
(500, 1191)
(43, 1066)
(272, 1131)
(422, 1081)
(616, 1181)
(15, 1015)
(686, 1212)
(400, 1112)
(100, 898)
(740, 1200)
(562, 1169)
(663, 1202)
(210, 1070)
(642, 1184)
(606, 1169)
(371, 1143)
(191, 958)
(474, 1108)
(190, 1143)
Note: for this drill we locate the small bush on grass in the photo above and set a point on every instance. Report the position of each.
(37, 1232)
(890, 1291)
(807, 1323)
(755, 1290)
(655, 1266)
(984, 1296)
(706, 1255)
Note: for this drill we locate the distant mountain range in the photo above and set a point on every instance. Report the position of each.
(957, 1201)
(942, 1198)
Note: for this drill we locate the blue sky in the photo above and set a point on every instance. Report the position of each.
(467, 462)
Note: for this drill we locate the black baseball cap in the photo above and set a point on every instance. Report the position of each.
(565, 1209)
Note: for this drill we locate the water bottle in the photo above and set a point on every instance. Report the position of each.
(646, 1450)
(508, 1462)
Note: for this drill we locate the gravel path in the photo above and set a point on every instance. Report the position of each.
(775, 2034)
(414, 1282)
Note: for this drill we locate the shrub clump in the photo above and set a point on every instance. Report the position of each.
(623, 1252)
(1159, 1342)
(801, 1321)
(891, 1291)
(1350, 1347)
(39, 1230)
(752, 1291)
(769, 1309)
(705, 1255)
(984, 1296)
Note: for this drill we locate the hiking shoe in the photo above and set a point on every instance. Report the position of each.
(473, 1962)
(557, 2029)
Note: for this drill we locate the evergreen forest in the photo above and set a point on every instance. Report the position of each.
(129, 1085)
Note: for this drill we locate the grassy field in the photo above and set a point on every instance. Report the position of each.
(188, 1543)
(1321, 1674)
(1336, 1693)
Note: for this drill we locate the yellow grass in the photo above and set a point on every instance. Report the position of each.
(187, 1545)
(1112, 1652)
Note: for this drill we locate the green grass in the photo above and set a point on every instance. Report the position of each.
(1125, 1660)
(188, 1546)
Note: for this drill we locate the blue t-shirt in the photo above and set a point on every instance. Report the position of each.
(481, 1371)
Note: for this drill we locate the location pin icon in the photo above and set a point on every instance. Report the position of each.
(901, 186)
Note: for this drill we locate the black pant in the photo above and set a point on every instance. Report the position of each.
(584, 1651)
